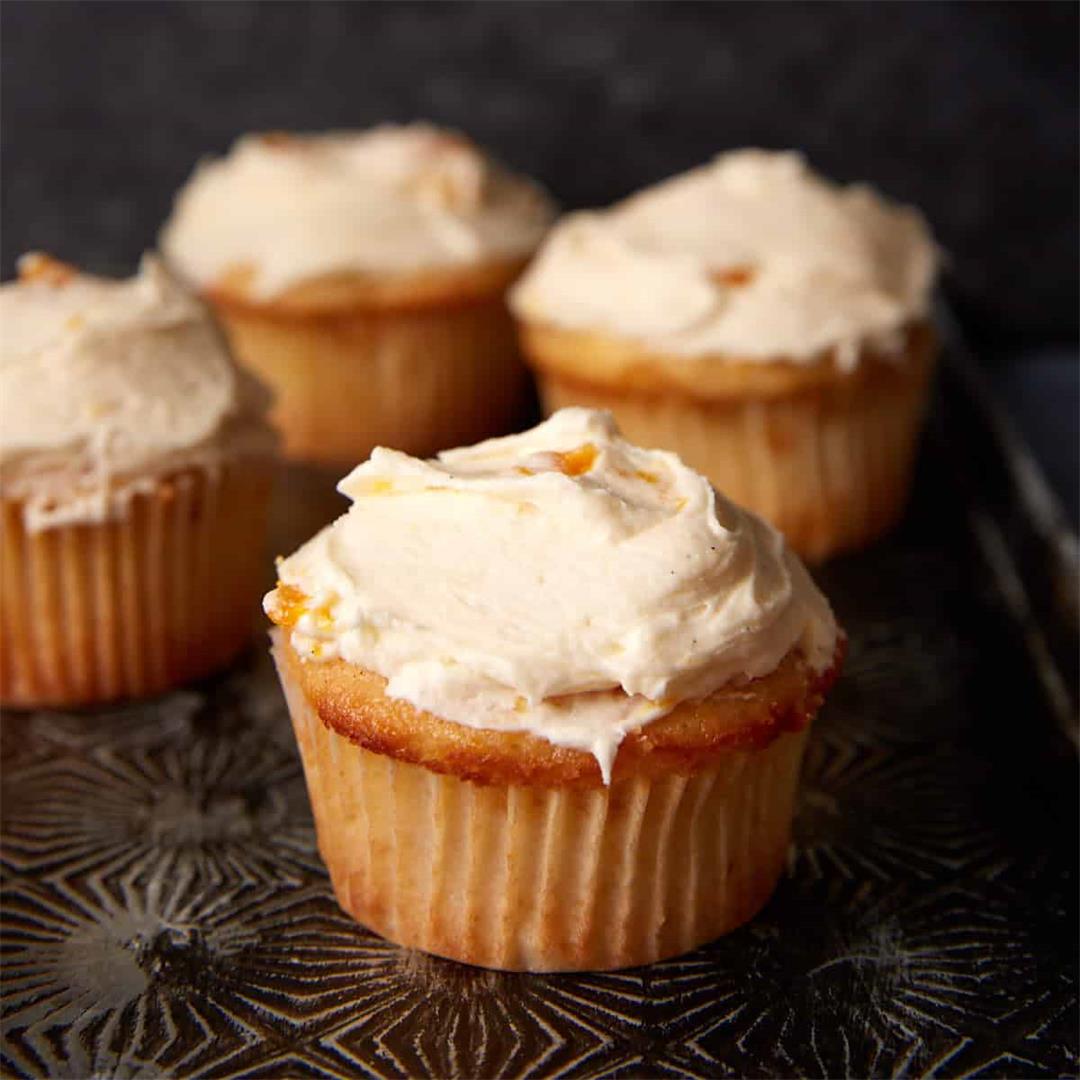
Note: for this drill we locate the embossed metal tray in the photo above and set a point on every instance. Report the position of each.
(164, 911)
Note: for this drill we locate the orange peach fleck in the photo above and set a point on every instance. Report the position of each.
(37, 266)
(734, 276)
(288, 605)
(323, 619)
(577, 462)
(278, 140)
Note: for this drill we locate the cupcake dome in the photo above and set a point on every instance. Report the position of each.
(104, 383)
(753, 257)
(281, 209)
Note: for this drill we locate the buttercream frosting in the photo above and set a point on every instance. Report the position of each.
(488, 584)
(751, 257)
(393, 199)
(105, 383)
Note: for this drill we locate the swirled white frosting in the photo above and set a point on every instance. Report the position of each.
(491, 582)
(388, 200)
(104, 384)
(751, 257)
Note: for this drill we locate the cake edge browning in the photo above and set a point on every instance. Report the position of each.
(743, 716)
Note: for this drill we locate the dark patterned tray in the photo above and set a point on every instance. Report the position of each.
(165, 912)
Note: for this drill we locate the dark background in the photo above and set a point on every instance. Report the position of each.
(968, 110)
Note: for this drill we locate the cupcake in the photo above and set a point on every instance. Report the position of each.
(362, 275)
(768, 326)
(551, 694)
(135, 469)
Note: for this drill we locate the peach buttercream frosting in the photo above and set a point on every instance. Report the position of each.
(751, 257)
(284, 208)
(106, 384)
(561, 582)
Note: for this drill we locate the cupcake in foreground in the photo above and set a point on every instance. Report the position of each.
(362, 275)
(135, 466)
(551, 694)
(770, 327)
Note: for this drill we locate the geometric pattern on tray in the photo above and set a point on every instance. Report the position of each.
(164, 910)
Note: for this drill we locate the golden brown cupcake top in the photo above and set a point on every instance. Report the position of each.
(282, 209)
(753, 256)
(105, 383)
(560, 582)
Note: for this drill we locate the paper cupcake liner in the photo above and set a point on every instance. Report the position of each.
(419, 379)
(547, 879)
(166, 593)
(830, 470)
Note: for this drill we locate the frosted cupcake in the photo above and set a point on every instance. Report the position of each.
(135, 468)
(551, 694)
(770, 327)
(362, 275)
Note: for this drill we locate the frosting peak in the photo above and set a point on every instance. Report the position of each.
(104, 380)
(490, 583)
(390, 200)
(753, 257)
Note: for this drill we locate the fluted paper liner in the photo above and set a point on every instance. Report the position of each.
(160, 595)
(419, 379)
(547, 879)
(824, 455)
(830, 476)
